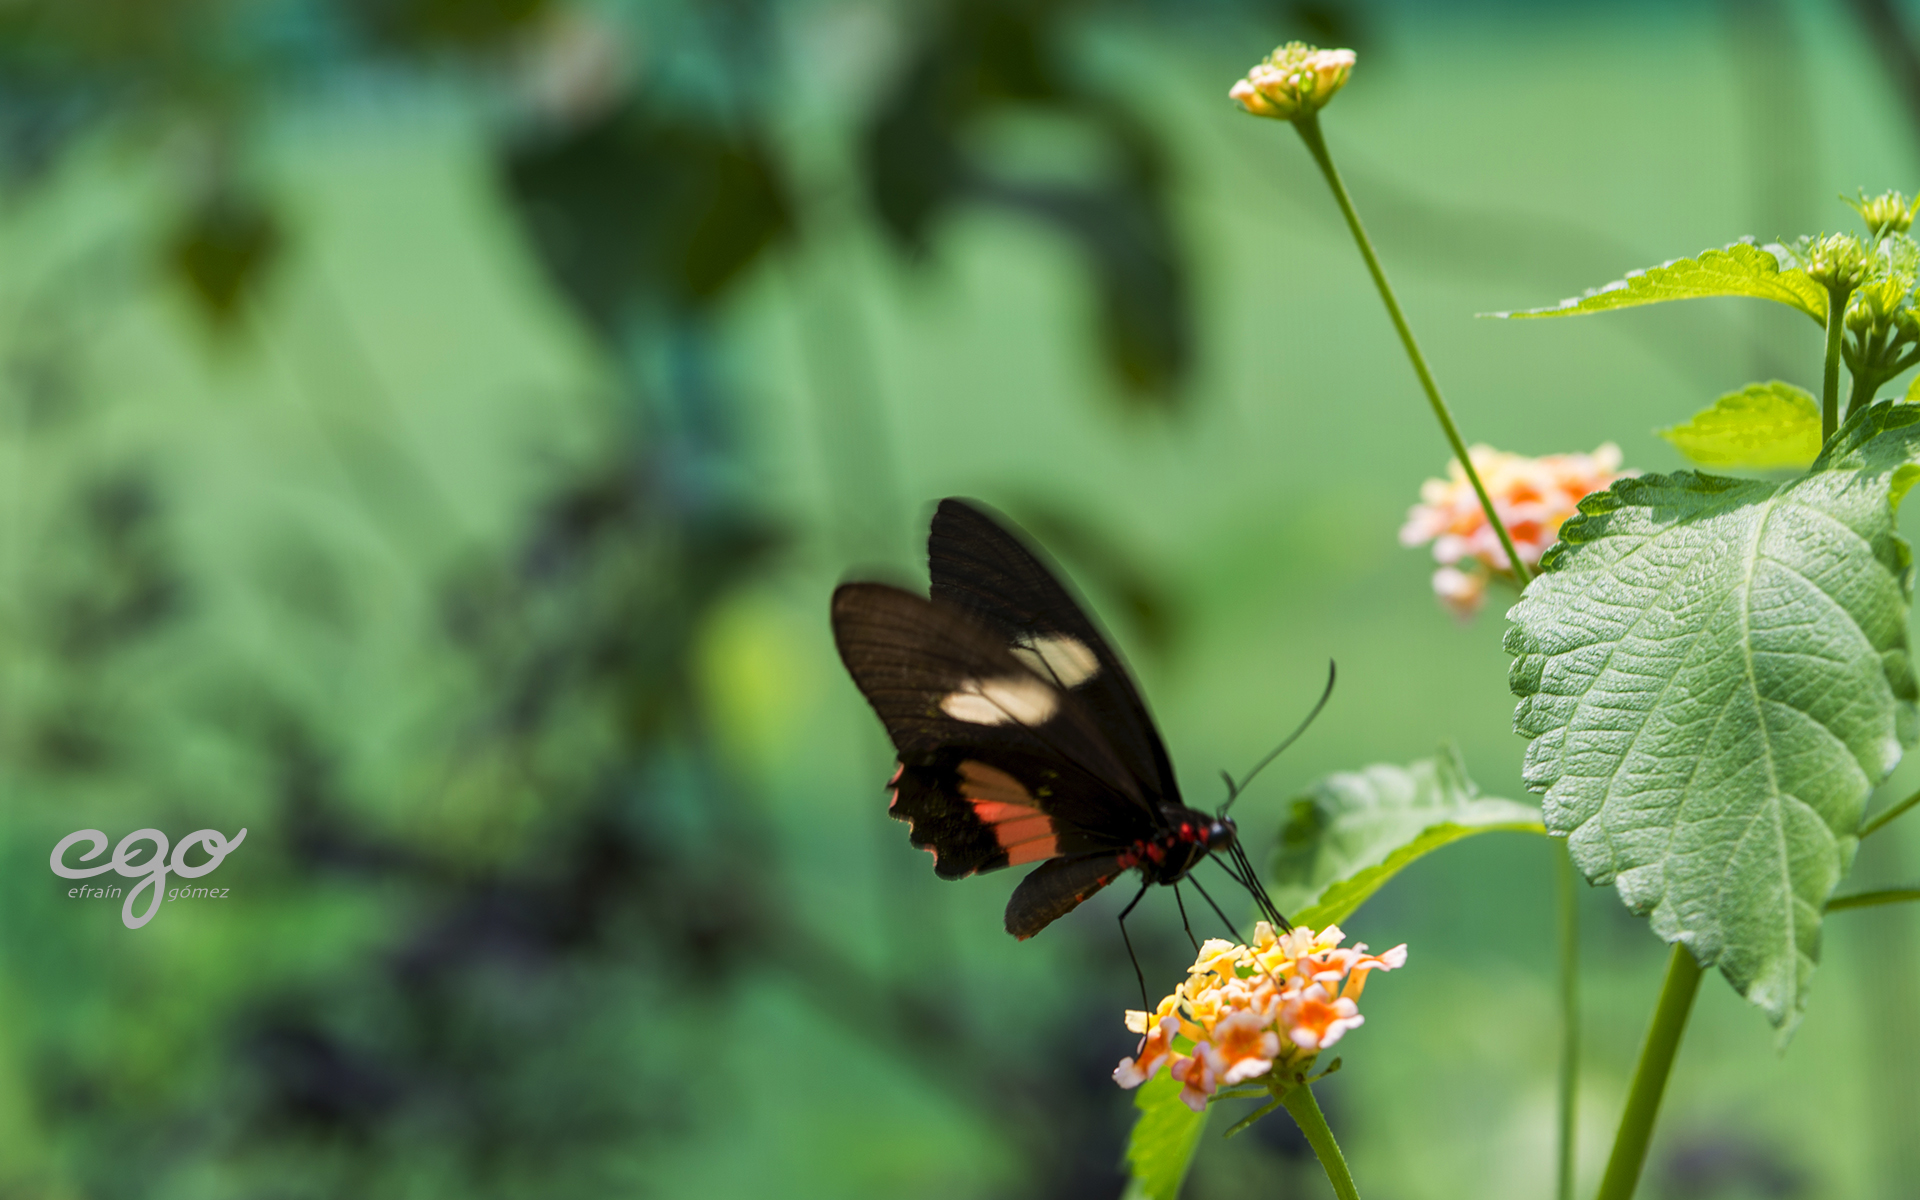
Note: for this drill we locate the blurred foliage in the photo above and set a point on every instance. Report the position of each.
(1071, 157)
(222, 251)
(629, 208)
(490, 1035)
(423, 25)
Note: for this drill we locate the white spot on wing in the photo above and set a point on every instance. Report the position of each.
(998, 701)
(1057, 656)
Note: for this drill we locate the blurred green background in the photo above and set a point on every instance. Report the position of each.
(431, 430)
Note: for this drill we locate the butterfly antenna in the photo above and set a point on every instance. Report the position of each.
(1234, 789)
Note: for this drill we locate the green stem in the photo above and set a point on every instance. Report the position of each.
(1247, 1121)
(1860, 392)
(1650, 1078)
(1830, 375)
(1308, 127)
(1568, 898)
(1306, 1114)
(1871, 899)
(1890, 814)
(1866, 380)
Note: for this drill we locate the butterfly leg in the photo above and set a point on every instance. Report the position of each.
(1216, 910)
(1184, 923)
(1145, 1004)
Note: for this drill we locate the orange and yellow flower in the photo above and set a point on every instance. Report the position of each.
(1155, 1052)
(1247, 1012)
(1533, 497)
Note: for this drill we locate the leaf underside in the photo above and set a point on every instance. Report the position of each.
(1741, 269)
(1714, 674)
(1164, 1139)
(1354, 830)
(1763, 426)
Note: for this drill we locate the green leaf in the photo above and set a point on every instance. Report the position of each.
(1762, 426)
(1715, 675)
(1354, 830)
(1742, 269)
(1165, 1136)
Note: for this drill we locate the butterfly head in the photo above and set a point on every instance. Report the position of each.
(1200, 835)
(1219, 833)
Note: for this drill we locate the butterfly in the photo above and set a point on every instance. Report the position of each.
(1021, 737)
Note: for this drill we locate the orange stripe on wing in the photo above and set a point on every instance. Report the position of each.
(978, 781)
(1004, 805)
(1032, 851)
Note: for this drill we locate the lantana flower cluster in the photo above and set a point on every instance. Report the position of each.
(1533, 497)
(1246, 1012)
(1296, 80)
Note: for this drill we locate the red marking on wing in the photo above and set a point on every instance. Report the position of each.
(1012, 822)
(1004, 805)
(893, 803)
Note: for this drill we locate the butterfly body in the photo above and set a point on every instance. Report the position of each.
(1190, 834)
(1020, 736)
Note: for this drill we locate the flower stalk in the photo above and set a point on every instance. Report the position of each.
(1650, 1077)
(1837, 263)
(1308, 127)
(1567, 898)
(1306, 1113)
(1830, 372)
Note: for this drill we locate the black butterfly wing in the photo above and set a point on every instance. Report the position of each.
(1055, 888)
(979, 565)
(998, 766)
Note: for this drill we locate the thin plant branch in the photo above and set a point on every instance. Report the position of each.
(1567, 898)
(1650, 1077)
(1308, 127)
(1882, 818)
(1873, 899)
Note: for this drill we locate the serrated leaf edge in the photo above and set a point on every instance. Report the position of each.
(1571, 305)
(1854, 437)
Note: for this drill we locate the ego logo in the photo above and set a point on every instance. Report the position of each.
(152, 872)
